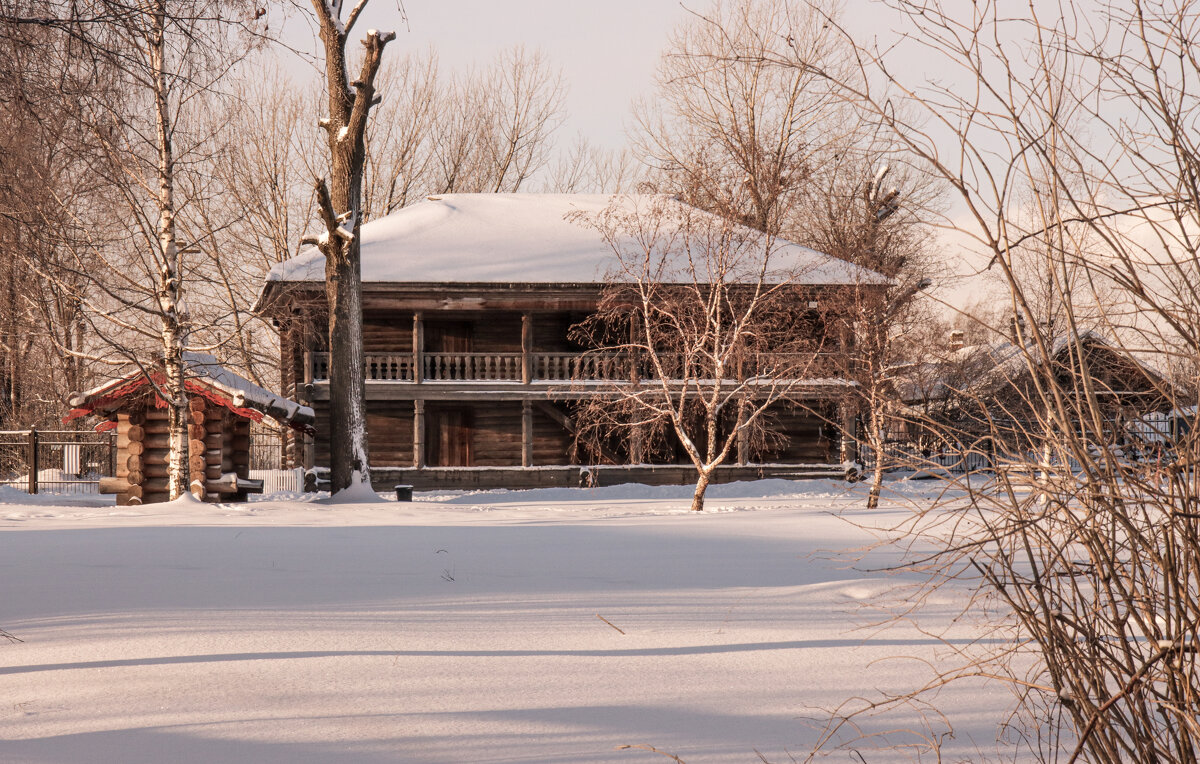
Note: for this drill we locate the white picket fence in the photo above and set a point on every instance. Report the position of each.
(276, 481)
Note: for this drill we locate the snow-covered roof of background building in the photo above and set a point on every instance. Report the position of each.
(522, 238)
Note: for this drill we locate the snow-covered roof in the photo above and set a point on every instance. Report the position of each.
(203, 374)
(989, 366)
(523, 239)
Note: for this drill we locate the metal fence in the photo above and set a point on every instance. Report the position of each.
(56, 461)
(267, 448)
(73, 461)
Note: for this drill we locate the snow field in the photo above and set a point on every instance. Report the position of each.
(458, 628)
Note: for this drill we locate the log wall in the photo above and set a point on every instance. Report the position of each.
(218, 454)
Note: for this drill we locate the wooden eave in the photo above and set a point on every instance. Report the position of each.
(279, 297)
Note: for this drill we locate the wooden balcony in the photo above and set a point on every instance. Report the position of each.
(565, 368)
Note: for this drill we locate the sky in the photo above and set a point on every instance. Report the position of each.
(607, 50)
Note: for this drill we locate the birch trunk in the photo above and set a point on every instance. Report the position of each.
(875, 441)
(170, 285)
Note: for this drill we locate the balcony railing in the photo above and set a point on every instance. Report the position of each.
(570, 367)
(504, 367)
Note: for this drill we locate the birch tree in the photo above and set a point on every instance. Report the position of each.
(700, 318)
(159, 56)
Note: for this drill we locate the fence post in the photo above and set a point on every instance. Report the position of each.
(33, 460)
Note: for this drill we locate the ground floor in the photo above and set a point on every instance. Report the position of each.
(533, 442)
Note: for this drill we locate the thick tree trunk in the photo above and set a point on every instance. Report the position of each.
(347, 387)
(341, 211)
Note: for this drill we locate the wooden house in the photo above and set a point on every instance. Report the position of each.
(989, 390)
(472, 373)
(222, 406)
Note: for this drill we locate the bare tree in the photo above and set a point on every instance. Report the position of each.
(862, 218)
(340, 208)
(40, 320)
(779, 149)
(252, 206)
(587, 168)
(701, 320)
(726, 126)
(1081, 149)
(496, 125)
(401, 136)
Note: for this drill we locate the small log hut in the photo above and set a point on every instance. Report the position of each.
(221, 405)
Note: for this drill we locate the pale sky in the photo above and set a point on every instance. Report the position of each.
(607, 50)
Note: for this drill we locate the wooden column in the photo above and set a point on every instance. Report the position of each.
(526, 433)
(304, 443)
(743, 445)
(419, 433)
(418, 349)
(527, 348)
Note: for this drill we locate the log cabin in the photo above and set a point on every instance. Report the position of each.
(988, 393)
(221, 406)
(473, 372)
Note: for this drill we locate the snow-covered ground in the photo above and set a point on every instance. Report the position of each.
(537, 626)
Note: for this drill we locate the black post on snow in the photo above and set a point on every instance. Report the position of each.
(33, 460)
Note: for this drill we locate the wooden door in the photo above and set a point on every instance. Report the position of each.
(449, 433)
(448, 337)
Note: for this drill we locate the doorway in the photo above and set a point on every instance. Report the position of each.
(448, 432)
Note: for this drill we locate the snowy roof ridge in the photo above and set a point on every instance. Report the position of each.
(520, 239)
(1006, 361)
(243, 392)
(207, 370)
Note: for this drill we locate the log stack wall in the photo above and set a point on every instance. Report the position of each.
(218, 454)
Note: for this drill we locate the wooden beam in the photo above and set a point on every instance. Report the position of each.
(418, 433)
(526, 347)
(526, 433)
(418, 346)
